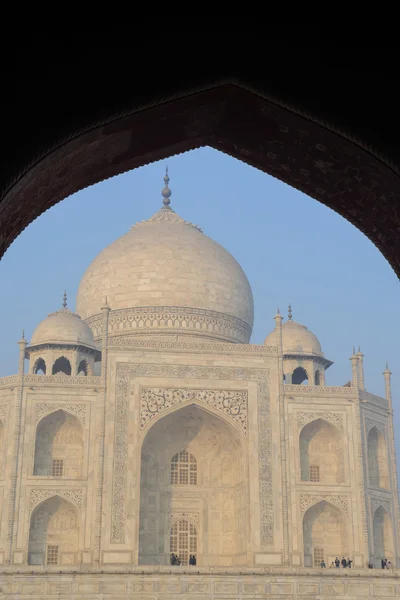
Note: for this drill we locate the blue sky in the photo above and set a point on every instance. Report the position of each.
(292, 248)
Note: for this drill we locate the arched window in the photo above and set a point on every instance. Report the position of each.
(183, 469)
(83, 368)
(62, 365)
(39, 368)
(321, 453)
(382, 536)
(183, 540)
(299, 376)
(377, 460)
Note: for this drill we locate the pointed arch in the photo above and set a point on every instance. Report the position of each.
(383, 540)
(300, 376)
(39, 367)
(378, 462)
(325, 534)
(183, 540)
(183, 468)
(322, 453)
(58, 446)
(54, 533)
(84, 368)
(62, 365)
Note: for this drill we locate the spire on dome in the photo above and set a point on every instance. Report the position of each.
(290, 312)
(65, 299)
(166, 192)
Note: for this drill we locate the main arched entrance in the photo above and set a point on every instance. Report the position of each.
(193, 498)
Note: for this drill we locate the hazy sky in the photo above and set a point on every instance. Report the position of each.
(292, 248)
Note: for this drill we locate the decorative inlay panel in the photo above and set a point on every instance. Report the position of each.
(37, 496)
(123, 375)
(156, 400)
(303, 418)
(160, 344)
(307, 500)
(3, 412)
(44, 408)
(317, 390)
(376, 502)
(62, 380)
(370, 423)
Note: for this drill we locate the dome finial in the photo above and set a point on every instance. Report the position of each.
(166, 193)
(290, 312)
(65, 299)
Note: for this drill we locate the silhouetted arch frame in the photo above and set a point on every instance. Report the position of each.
(316, 157)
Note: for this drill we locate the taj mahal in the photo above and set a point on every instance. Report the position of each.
(146, 425)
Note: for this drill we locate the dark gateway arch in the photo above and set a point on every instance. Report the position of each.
(328, 126)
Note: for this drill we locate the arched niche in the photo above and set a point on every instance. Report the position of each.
(325, 534)
(299, 376)
(39, 368)
(213, 494)
(378, 468)
(59, 446)
(322, 453)
(54, 533)
(382, 528)
(62, 366)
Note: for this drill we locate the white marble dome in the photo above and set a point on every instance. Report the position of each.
(166, 262)
(63, 327)
(296, 339)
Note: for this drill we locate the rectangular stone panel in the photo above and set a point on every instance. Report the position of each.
(113, 558)
(253, 588)
(198, 587)
(226, 587)
(380, 589)
(281, 588)
(307, 589)
(333, 589)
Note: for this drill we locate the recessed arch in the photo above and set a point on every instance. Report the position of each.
(325, 534)
(62, 365)
(59, 446)
(83, 368)
(193, 430)
(378, 464)
(382, 530)
(54, 533)
(322, 453)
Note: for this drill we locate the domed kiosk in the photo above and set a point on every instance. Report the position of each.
(166, 276)
(303, 359)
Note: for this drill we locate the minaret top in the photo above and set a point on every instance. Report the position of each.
(166, 192)
(290, 312)
(65, 299)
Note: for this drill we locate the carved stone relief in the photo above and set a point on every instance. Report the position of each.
(193, 517)
(154, 401)
(126, 371)
(44, 408)
(307, 500)
(37, 496)
(3, 412)
(303, 418)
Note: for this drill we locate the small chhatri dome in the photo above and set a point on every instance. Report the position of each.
(63, 327)
(296, 338)
(169, 264)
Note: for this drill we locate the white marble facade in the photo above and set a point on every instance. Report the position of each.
(189, 439)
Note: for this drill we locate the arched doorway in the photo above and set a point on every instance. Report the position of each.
(192, 489)
(321, 453)
(325, 534)
(54, 533)
(382, 536)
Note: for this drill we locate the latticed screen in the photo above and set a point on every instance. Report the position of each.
(183, 540)
(52, 555)
(57, 467)
(183, 469)
(318, 556)
(314, 473)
